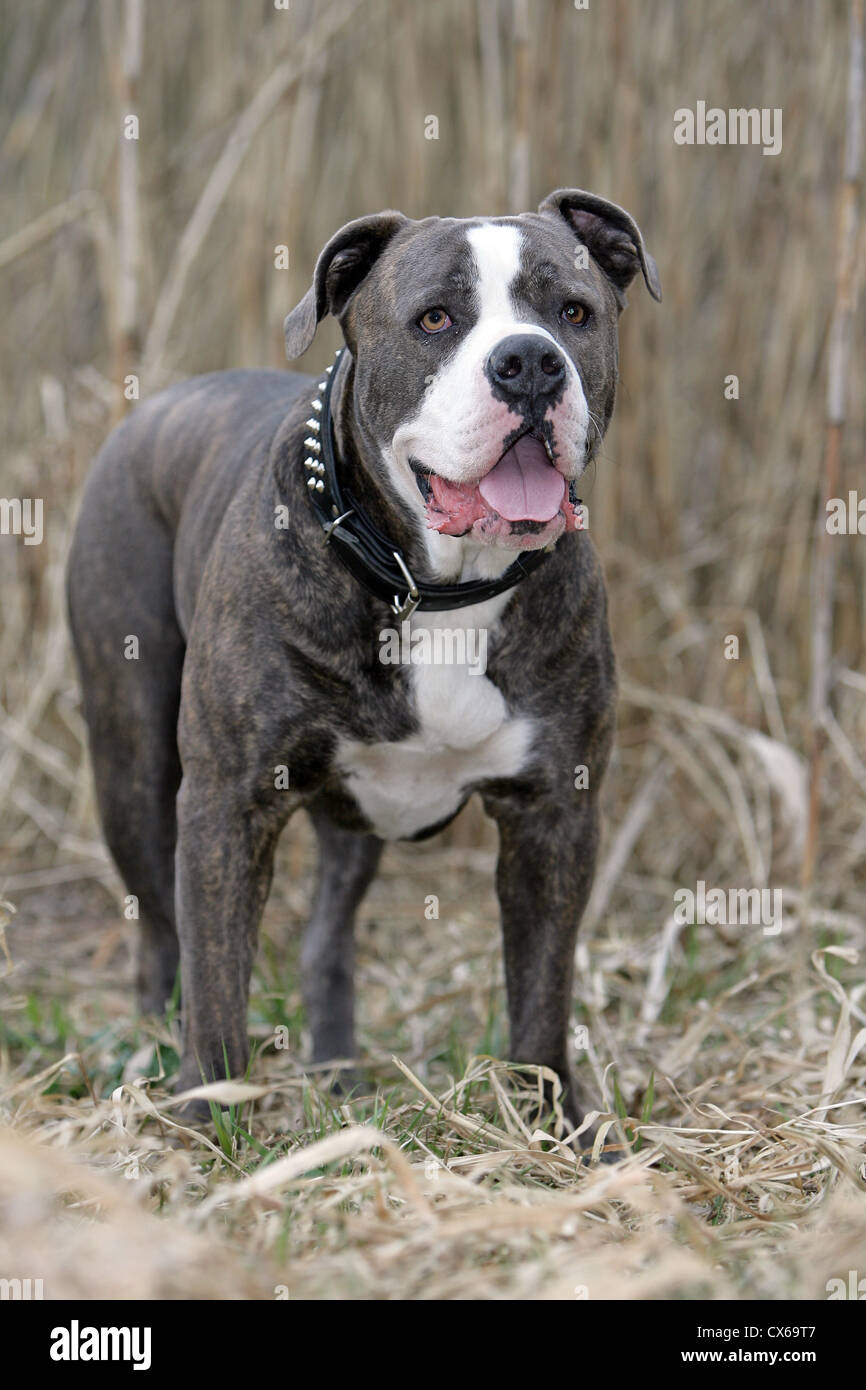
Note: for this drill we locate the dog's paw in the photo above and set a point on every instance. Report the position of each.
(346, 1084)
(575, 1107)
(194, 1114)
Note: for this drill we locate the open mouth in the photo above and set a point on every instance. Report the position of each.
(522, 495)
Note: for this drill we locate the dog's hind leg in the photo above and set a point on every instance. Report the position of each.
(347, 865)
(130, 657)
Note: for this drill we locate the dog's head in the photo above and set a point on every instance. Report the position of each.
(485, 356)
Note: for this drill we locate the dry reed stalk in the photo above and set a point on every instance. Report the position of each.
(128, 343)
(491, 76)
(42, 228)
(221, 177)
(838, 367)
(519, 171)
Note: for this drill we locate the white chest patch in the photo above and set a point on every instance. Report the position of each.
(466, 735)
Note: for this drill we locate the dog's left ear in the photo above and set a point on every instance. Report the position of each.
(342, 265)
(610, 235)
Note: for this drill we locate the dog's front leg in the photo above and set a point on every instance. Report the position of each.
(544, 875)
(223, 869)
(347, 865)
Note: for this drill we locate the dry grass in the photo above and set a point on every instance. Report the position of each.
(731, 1063)
(741, 1173)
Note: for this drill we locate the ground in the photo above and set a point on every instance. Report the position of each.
(735, 1177)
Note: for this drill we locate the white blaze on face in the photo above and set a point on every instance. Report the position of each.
(461, 428)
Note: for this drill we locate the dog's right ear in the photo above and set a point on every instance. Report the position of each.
(342, 265)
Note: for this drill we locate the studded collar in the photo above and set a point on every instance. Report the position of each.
(373, 560)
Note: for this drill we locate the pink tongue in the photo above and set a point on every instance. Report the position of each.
(524, 485)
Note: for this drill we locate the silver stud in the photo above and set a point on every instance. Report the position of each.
(322, 385)
(329, 369)
(320, 487)
(311, 482)
(314, 445)
(317, 404)
(313, 425)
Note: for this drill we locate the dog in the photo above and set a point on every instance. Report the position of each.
(245, 539)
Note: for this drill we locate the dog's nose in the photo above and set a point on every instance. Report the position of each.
(526, 365)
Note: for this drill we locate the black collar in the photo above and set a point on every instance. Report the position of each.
(369, 555)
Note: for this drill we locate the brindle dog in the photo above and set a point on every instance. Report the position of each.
(476, 386)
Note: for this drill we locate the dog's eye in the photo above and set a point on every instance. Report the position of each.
(574, 313)
(434, 321)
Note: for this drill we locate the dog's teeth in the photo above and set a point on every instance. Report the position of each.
(549, 450)
(313, 425)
